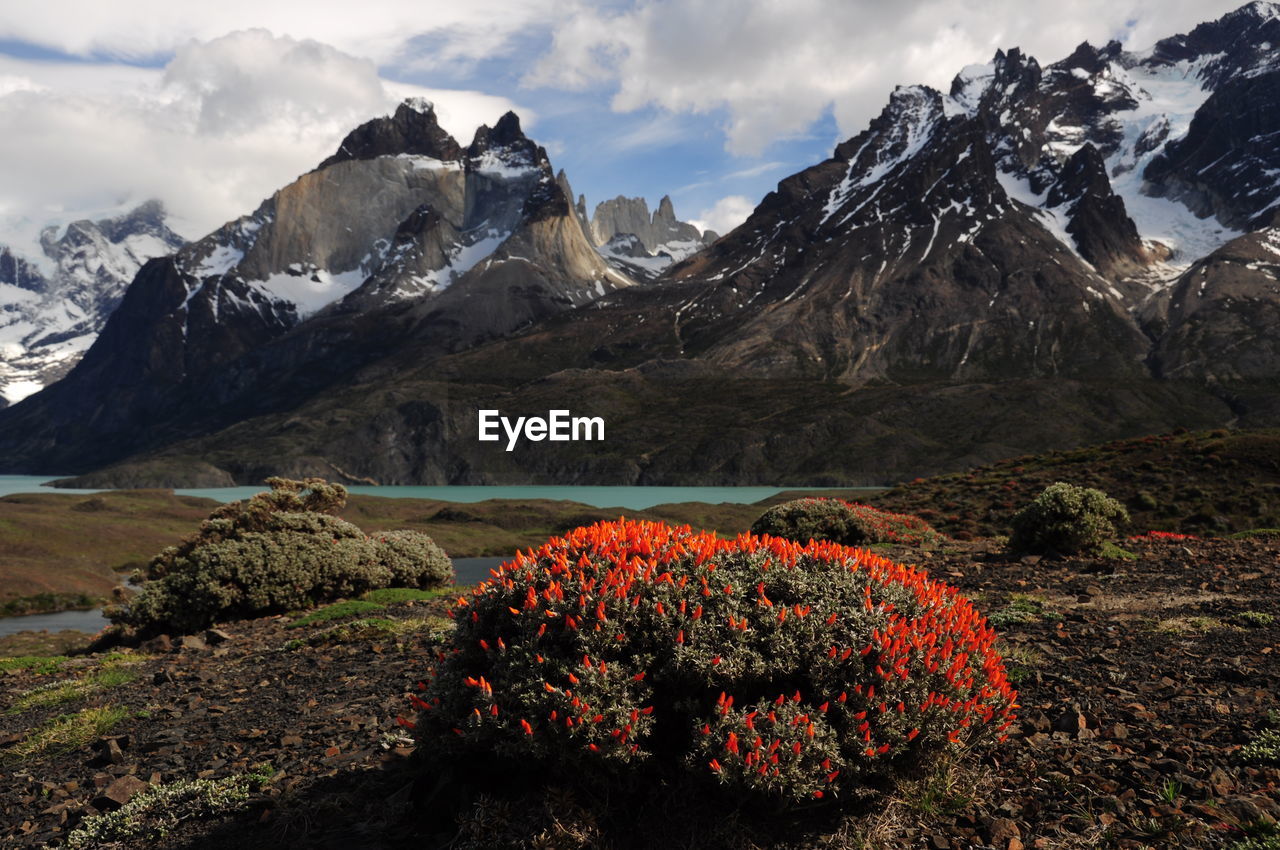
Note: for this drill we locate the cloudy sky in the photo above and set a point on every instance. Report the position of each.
(213, 106)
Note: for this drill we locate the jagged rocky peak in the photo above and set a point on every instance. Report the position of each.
(1090, 59)
(413, 130)
(350, 224)
(504, 134)
(1097, 219)
(1241, 41)
(657, 231)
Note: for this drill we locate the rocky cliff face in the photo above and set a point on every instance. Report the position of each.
(52, 307)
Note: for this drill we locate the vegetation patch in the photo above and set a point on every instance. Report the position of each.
(1067, 519)
(281, 550)
(1191, 625)
(398, 595)
(1256, 533)
(1020, 661)
(112, 673)
(847, 523)
(373, 629)
(154, 812)
(1263, 749)
(1264, 835)
(48, 603)
(775, 669)
(66, 732)
(336, 611)
(1022, 608)
(42, 664)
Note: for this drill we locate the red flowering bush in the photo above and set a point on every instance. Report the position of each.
(844, 522)
(792, 670)
(1155, 536)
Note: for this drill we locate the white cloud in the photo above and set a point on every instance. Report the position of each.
(222, 126)
(725, 215)
(776, 67)
(377, 29)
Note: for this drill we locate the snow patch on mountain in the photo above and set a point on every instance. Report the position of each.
(917, 112)
(466, 256)
(504, 164)
(309, 291)
(1168, 97)
(1052, 220)
(974, 80)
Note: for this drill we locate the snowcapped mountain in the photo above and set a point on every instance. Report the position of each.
(401, 213)
(1046, 212)
(402, 233)
(53, 306)
(1042, 256)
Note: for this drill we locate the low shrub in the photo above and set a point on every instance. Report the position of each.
(792, 671)
(414, 559)
(1067, 519)
(157, 810)
(847, 523)
(1263, 749)
(276, 552)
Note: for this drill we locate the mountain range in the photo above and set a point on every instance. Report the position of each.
(1039, 257)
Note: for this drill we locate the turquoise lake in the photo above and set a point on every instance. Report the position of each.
(632, 498)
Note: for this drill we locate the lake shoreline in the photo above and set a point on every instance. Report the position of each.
(64, 542)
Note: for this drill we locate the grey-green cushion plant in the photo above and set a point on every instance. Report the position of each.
(1067, 519)
(278, 551)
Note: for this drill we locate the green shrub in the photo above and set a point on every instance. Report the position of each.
(847, 523)
(778, 669)
(414, 559)
(1143, 500)
(1067, 519)
(276, 552)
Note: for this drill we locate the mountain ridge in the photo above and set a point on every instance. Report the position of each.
(1022, 241)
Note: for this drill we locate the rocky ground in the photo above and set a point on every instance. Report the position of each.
(1147, 687)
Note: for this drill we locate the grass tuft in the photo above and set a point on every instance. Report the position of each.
(1191, 625)
(336, 611)
(395, 595)
(42, 664)
(112, 673)
(67, 732)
